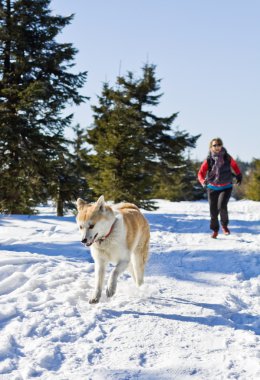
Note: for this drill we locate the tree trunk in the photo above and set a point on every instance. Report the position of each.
(59, 204)
(7, 48)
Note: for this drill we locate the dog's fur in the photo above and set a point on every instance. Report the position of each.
(119, 234)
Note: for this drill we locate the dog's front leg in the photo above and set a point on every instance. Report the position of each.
(112, 282)
(99, 281)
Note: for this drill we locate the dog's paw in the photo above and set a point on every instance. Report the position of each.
(94, 299)
(110, 292)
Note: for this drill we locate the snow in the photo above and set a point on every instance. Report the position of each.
(196, 316)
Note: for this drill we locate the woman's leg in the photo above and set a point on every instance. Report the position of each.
(222, 206)
(213, 208)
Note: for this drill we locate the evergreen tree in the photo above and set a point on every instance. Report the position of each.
(130, 143)
(80, 160)
(67, 179)
(80, 151)
(239, 191)
(180, 184)
(35, 87)
(252, 188)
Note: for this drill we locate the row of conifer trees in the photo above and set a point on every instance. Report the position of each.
(128, 153)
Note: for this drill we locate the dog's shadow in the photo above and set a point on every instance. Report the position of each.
(223, 316)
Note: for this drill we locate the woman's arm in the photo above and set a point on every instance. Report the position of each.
(203, 172)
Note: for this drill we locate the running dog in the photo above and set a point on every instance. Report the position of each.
(119, 234)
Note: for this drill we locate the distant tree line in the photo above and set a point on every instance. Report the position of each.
(250, 187)
(128, 153)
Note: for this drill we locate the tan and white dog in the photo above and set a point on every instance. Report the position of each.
(119, 234)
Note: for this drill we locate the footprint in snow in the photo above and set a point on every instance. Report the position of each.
(94, 356)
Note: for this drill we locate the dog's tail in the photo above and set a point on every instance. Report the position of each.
(126, 206)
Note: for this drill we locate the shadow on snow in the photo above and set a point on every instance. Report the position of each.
(193, 223)
(223, 316)
(72, 251)
(187, 265)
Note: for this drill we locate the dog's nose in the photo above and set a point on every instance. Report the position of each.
(84, 241)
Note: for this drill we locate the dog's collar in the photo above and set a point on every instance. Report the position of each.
(109, 233)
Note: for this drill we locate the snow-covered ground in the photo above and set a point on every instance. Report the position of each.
(196, 316)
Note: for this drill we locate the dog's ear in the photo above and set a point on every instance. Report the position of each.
(80, 204)
(100, 205)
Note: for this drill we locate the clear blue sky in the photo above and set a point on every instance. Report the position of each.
(207, 53)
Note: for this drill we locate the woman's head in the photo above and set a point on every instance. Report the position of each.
(216, 145)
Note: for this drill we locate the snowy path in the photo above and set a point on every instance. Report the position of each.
(196, 316)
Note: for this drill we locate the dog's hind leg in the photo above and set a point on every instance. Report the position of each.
(138, 260)
(131, 270)
(138, 268)
(112, 282)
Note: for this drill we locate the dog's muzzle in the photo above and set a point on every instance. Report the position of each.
(90, 242)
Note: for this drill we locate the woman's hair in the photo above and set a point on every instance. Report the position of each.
(218, 141)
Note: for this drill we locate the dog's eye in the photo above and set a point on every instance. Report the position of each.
(80, 227)
(91, 226)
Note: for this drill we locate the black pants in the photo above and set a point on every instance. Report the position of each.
(218, 201)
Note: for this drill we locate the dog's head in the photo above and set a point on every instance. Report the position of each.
(94, 220)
